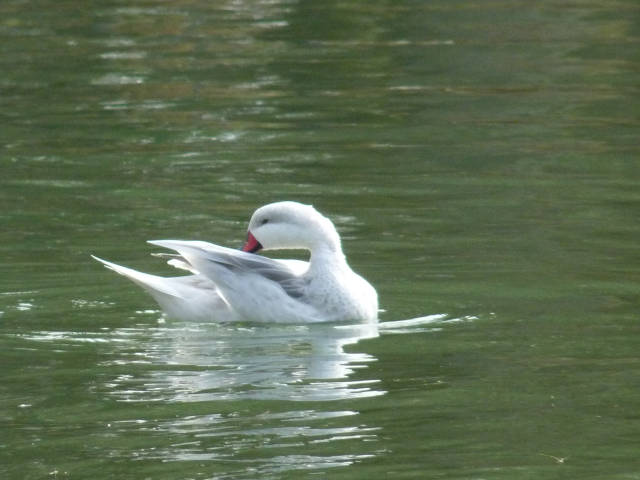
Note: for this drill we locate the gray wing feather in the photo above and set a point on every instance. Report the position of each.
(241, 262)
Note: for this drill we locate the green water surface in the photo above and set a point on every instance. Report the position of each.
(480, 160)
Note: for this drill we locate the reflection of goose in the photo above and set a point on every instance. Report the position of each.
(193, 362)
(229, 284)
(203, 362)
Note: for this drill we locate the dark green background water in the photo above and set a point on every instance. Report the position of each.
(481, 162)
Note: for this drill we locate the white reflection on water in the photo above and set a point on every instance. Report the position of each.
(204, 362)
(222, 437)
(164, 368)
(187, 362)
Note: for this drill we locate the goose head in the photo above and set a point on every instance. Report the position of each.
(290, 225)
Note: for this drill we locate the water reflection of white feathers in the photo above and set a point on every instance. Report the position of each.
(203, 362)
(220, 366)
(223, 365)
(298, 437)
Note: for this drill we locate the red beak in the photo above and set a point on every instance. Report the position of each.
(252, 245)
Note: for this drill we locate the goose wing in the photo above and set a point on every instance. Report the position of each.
(217, 262)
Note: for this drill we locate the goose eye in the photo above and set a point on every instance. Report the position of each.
(264, 221)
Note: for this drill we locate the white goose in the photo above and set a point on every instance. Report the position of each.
(233, 285)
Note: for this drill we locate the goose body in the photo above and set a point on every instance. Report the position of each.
(238, 285)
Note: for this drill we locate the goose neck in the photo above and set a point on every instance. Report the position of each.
(327, 258)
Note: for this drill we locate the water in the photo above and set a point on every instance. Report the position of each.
(479, 160)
